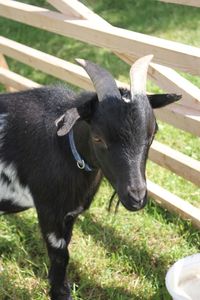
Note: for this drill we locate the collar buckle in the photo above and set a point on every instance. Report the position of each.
(81, 164)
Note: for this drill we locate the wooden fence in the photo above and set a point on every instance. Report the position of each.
(75, 20)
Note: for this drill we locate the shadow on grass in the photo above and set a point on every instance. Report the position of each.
(31, 243)
(27, 245)
(136, 255)
(90, 290)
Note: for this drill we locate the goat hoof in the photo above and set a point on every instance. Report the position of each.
(61, 297)
(61, 294)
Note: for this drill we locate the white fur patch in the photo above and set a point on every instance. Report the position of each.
(13, 190)
(76, 212)
(3, 121)
(55, 242)
(127, 100)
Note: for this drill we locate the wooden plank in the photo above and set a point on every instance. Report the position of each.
(3, 64)
(181, 117)
(77, 9)
(174, 204)
(173, 82)
(177, 55)
(60, 5)
(16, 81)
(49, 64)
(175, 161)
(195, 3)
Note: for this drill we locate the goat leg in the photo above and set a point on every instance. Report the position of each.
(57, 236)
(60, 289)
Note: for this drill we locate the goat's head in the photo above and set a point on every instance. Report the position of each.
(123, 126)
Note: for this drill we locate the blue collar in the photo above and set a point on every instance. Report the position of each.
(81, 164)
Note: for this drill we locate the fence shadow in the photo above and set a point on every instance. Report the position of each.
(142, 262)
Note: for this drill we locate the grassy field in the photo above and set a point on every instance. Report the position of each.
(113, 257)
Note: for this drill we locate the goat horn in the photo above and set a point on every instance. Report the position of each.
(103, 81)
(138, 75)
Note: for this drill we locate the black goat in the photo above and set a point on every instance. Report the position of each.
(44, 135)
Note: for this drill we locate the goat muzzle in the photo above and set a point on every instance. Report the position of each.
(134, 200)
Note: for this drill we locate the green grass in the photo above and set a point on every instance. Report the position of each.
(122, 257)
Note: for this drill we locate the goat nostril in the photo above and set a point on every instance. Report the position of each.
(137, 194)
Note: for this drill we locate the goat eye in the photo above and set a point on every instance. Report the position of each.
(96, 139)
(99, 141)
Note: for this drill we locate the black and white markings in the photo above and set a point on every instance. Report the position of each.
(12, 193)
(56, 242)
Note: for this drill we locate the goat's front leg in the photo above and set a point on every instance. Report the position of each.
(57, 236)
(59, 258)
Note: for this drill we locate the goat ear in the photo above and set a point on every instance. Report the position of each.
(160, 100)
(66, 121)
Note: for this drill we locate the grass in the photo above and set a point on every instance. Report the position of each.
(123, 257)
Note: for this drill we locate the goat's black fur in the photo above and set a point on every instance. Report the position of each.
(113, 137)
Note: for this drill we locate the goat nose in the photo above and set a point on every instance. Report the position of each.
(137, 194)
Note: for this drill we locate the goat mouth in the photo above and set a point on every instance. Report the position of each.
(132, 205)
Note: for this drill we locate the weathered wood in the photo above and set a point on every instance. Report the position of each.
(16, 81)
(174, 204)
(184, 57)
(176, 161)
(195, 3)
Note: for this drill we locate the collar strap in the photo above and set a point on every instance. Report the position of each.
(81, 164)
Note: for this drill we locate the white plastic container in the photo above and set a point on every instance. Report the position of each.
(183, 278)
